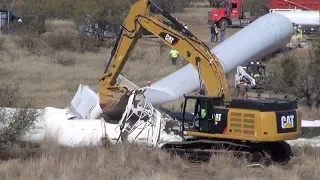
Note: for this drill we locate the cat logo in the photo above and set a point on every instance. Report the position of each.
(217, 118)
(169, 38)
(287, 122)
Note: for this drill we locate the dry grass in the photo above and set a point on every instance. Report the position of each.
(44, 78)
(137, 162)
(123, 162)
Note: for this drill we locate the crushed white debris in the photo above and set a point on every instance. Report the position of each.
(81, 124)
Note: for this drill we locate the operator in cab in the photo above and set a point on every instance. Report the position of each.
(258, 73)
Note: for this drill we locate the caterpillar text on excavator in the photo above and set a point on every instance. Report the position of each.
(257, 129)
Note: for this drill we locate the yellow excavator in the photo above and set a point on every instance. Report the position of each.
(257, 129)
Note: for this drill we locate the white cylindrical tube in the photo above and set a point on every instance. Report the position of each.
(264, 36)
(304, 18)
(54, 124)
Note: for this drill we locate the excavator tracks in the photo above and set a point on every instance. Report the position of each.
(253, 154)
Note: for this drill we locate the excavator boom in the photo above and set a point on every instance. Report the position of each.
(190, 47)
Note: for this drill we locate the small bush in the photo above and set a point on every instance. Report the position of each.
(64, 41)
(16, 117)
(32, 43)
(90, 44)
(216, 3)
(9, 94)
(65, 60)
(2, 48)
(137, 55)
(298, 76)
(15, 123)
(173, 5)
(75, 43)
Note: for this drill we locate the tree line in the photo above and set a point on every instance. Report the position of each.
(107, 10)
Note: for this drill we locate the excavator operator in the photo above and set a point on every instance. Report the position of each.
(203, 111)
(258, 73)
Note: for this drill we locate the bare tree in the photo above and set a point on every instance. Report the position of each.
(298, 76)
(173, 5)
(256, 7)
(217, 3)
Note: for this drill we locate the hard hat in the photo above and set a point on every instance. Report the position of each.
(258, 63)
(251, 63)
(299, 25)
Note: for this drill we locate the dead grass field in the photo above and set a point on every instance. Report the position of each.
(137, 162)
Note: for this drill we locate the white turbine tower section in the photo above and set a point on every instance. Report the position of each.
(264, 36)
(304, 18)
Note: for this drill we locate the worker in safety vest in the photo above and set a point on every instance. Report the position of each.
(174, 56)
(203, 112)
(258, 73)
(299, 33)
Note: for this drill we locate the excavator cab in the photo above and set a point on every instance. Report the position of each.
(204, 115)
(258, 72)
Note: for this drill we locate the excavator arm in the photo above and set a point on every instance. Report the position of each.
(197, 53)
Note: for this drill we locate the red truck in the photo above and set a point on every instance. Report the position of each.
(232, 14)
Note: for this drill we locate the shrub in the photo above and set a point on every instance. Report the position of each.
(63, 41)
(298, 76)
(65, 60)
(16, 116)
(173, 5)
(2, 48)
(256, 8)
(15, 123)
(31, 42)
(216, 3)
(9, 94)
